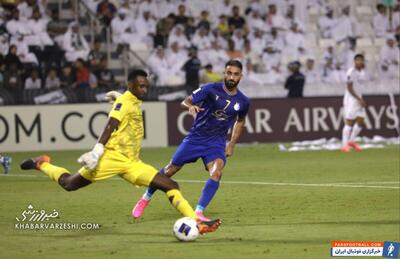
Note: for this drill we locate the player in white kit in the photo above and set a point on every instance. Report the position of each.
(354, 104)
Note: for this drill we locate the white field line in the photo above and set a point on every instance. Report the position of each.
(300, 184)
(376, 182)
(342, 185)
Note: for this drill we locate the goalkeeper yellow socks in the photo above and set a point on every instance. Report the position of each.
(182, 205)
(52, 171)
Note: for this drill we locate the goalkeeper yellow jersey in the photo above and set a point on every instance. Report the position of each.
(127, 138)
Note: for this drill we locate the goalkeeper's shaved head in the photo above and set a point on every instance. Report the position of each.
(138, 83)
(135, 73)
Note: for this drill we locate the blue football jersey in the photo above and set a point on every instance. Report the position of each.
(220, 113)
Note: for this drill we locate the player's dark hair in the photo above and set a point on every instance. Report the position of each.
(135, 73)
(358, 56)
(234, 63)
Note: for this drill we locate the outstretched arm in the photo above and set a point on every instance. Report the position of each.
(237, 130)
(111, 96)
(90, 159)
(112, 125)
(193, 109)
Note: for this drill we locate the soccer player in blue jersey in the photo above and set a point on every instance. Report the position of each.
(5, 161)
(216, 108)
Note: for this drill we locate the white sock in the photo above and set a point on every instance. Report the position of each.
(199, 209)
(354, 133)
(346, 134)
(146, 196)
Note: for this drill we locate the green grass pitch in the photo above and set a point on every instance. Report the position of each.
(323, 196)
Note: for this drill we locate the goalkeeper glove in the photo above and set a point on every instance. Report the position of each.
(90, 159)
(111, 96)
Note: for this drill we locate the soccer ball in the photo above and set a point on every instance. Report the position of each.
(185, 229)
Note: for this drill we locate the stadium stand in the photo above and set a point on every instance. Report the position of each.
(266, 35)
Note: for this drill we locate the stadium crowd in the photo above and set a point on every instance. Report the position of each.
(189, 42)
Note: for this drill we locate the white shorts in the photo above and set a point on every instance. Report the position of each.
(351, 112)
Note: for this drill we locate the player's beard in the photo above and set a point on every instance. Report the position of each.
(230, 84)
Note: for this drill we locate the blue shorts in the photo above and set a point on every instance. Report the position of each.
(189, 152)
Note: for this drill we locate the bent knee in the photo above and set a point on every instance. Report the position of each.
(216, 175)
(171, 169)
(174, 185)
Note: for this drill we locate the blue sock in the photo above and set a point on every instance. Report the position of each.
(150, 191)
(209, 190)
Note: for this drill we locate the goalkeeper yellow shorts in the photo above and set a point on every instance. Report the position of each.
(114, 163)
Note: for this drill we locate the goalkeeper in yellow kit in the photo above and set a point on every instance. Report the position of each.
(117, 153)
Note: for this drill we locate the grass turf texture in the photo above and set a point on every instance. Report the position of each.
(259, 221)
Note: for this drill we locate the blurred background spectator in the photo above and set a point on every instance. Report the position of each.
(295, 82)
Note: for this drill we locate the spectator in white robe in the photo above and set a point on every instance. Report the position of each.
(256, 5)
(332, 73)
(295, 45)
(389, 59)
(167, 7)
(272, 60)
(38, 31)
(291, 18)
(25, 9)
(23, 50)
(33, 81)
(274, 19)
(75, 44)
(276, 40)
(176, 58)
(16, 26)
(381, 22)
(310, 71)
(301, 11)
(147, 25)
(320, 5)
(346, 27)
(249, 55)
(202, 40)
(255, 21)
(123, 28)
(166, 76)
(258, 41)
(327, 23)
(395, 26)
(216, 56)
(282, 5)
(150, 6)
(218, 39)
(238, 38)
(177, 35)
(253, 78)
(330, 55)
(221, 8)
(52, 80)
